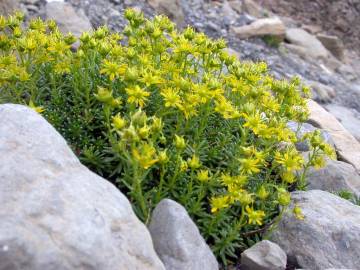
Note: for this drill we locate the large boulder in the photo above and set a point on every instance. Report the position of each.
(67, 18)
(327, 237)
(334, 177)
(313, 47)
(261, 27)
(347, 147)
(264, 255)
(177, 240)
(349, 118)
(55, 213)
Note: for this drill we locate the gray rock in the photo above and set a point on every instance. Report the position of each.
(309, 42)
(335, 176)
(329, 235)
(8, 6)
(177, 240)
(264, 255)
(55, 213)
(349, 118)
(67, 18)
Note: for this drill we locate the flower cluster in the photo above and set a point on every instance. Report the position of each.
(163, 113)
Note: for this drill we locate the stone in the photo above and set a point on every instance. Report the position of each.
(321, 92)
(67, 18)
(254, 9)
(305, 128)
(172, 8)
(177, 240)
(313, 47)
(228, 12)
(327, 237)
(334, 177)
(347, 147)
(311, 28)
(261, 27)
(8, 6)
(349, 118)
(236, 5)
(57, 214)
(264, 255)
(333, 44)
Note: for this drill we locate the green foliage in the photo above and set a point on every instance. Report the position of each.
(272, 41)
(348, 195)
(167, 114)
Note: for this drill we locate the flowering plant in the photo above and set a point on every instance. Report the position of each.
(168, 114)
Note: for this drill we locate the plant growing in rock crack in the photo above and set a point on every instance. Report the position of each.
(167, 114)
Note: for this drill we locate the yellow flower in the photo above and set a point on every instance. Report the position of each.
(112, 69)
(262, 193)
(203, 175)
(298, 213)
(144, 132)
(145, 155)
(218, 203)
(171, 97)
(254, 122)
(291, 160)
(288, 177)
(249, 165)
(255, 216)
(319, 162)
(118, 122)
(37, 109)
(137, 95)
(244, 197)
(194, 162)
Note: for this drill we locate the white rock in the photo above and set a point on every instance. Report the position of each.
(349, 118)
(55, 213)
(347, 147)
(329, 235)
(177, 240)
(261, 27)
(314, 48)
(335, 176)
(264, 255)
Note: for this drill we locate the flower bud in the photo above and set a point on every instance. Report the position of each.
(180, 143)
(162, 157)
